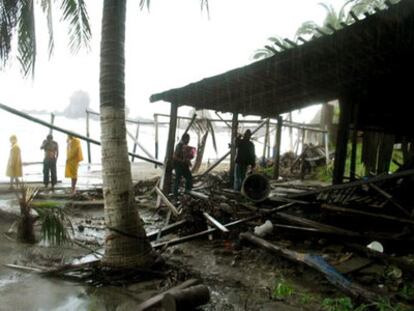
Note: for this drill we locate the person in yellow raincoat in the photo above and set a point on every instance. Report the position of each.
(14, 166)
(73, 157)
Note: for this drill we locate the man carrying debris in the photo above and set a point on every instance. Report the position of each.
(51, 149)
(182, 163)
(245, 157)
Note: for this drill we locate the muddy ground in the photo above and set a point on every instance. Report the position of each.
(239, 277)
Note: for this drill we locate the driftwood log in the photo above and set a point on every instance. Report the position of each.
(156, 300)
(186, 299)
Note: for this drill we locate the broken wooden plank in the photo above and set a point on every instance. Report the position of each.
(318, 263)
(24, 268)
(375, 179)
(317, 225)
(211, 230)
(156, 300)
(168, 229)
(358, 212)
(215, 222)
(389, 198)
(186, 299)
(166, 201)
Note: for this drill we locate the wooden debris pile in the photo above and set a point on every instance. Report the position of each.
(348, 228)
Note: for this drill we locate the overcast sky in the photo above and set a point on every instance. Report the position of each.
(172, 45)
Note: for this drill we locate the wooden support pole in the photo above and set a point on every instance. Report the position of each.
(52, 121)
(234, 128)
(341, 142)
(327, 160)
(167, 177)
(276, 153)
(88, 144)
(134, 149)
(266, 142)
(166, 201)
(354, 142)
(215, 222)
(156, 136)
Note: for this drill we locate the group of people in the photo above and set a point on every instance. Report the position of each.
(245, 161)
(51, 154)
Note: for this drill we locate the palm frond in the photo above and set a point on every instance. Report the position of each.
(54, 223)
(342, 11)
(262, 53)
(46, 6)
(75, 13)
(144, 3)
(204, 6)
(307, 28)
(27, 37)
(213, 134)
(8, 22)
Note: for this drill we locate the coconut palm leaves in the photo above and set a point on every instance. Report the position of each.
(333, 20)
(54, 223)
(53, 220)
(17, 18)
(202, 126)
(270, 50)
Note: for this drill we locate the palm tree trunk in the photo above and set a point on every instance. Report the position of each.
(126, 243)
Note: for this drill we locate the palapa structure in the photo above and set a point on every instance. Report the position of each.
(367, 65)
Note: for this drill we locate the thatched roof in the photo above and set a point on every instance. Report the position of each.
(365, 62)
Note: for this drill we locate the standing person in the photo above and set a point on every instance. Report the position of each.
(51, 149)
(182, 163)
(245, 157)
(14, 165)
(73, 157)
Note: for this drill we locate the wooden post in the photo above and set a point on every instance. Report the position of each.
(354, 142)
(266, 141)
(341, 142)
(52, 121)
(156, 136)
(167, 178)
(234, 128)
(134, 149)
(88, 144)
(326, 134)
(290, 132)
(276, 153)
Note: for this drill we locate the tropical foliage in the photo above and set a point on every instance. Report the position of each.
(203, 127)
(52, 219)
(17, 18)
(333, 20)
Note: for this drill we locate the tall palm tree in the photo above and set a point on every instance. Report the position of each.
(126, 244)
